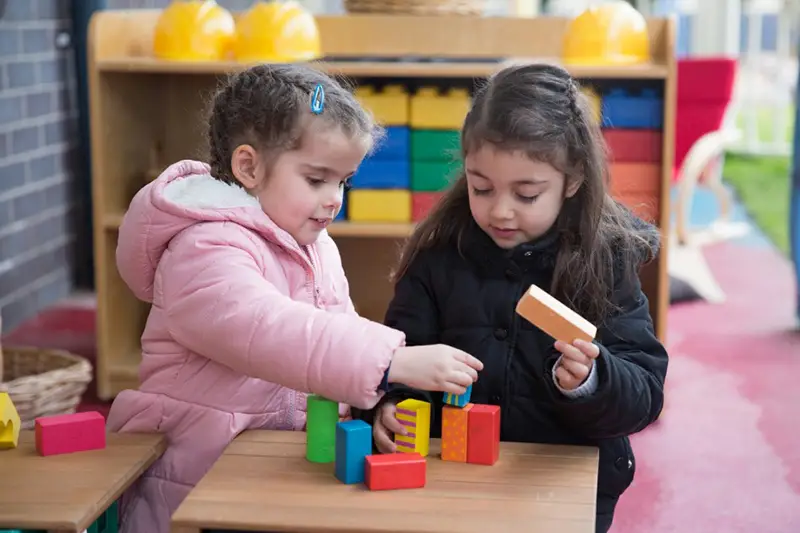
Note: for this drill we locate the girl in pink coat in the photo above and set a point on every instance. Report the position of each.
(250, 306)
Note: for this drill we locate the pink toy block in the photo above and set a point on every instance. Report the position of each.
(70, 433)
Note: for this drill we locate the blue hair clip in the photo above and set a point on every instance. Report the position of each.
(318, 100)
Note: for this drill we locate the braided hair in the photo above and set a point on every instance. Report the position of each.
(268, 107)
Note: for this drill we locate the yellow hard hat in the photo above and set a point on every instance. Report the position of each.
(194, 30)
(607, 34)
(277, 32)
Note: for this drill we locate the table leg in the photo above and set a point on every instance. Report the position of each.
(185, 529)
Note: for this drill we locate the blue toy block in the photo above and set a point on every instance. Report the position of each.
(342, 214)
(353, 445)
(622, 109)
(395, 146)
(382, 174)
(458, 400)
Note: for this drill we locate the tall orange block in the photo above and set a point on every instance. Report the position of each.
(455, 424)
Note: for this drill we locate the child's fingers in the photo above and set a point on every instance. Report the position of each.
(572, 353)
(579, 371)
(383, 440)
(565, 379)
(589, 349)
(454, 388)
(391, 423)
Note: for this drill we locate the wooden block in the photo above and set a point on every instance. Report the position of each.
(553, 317)
(455, 421)
(415, 415)
(353, 444)
(9, 422)
(322, 415)
(395, 471)
(77, 432)
(458, 400)
(483, 434)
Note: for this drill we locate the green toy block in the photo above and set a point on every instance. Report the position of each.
(108, 522)
(433, 177)
(322, 415)
(435, 145)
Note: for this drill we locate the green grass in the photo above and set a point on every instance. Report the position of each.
(762, 184)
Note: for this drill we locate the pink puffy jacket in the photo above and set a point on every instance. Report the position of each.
(243, 323)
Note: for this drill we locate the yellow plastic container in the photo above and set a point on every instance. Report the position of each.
(611, 34)
(379, 205)
(595, 101)
(277, 32)
(431, 110)
(390, 107)
(194, 30)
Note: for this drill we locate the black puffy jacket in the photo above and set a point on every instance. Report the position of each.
(467, 300)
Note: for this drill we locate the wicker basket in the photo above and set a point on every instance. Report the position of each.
(416, 7)
(43, 382)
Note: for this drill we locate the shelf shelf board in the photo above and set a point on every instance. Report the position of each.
(112, 221)
(412, 69)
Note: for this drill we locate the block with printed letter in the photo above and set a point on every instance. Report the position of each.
(395, 471)
(9, 422)
(483, 434)
(353, 445)
(322, 415)
(458, 400)
(455, 422)
(553, 317)
(415, 415)
(70, 433)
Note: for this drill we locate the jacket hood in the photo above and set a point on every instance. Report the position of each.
(183, 195)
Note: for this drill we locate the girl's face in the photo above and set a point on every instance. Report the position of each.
(302, 191)
(514, 198)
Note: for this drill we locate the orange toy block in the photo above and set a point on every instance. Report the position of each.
(78, 432)
(553, 317)
(483, 434)
(455, 421)
(395, 471)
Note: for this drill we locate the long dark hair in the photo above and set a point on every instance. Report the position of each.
(538, 109)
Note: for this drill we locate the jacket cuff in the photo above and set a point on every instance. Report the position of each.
(587, 388)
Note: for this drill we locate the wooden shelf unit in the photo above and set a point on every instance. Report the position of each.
(147, 113)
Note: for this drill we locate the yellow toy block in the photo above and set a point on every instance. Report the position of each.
(379, 205)
(595, 102)
(9, 422)
(431, 110)
(389, 106)
(416, 416)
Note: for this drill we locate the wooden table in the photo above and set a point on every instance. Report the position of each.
(264, 483)
(69, 492)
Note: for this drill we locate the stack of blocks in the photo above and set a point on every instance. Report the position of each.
(406, 174)
(470, 434)
(58, 435)
(632, 122)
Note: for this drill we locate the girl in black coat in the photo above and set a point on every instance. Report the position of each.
(532, 207)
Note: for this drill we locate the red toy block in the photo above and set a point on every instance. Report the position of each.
(422, 203)
(483, 434)
(395, 471)
(70, 433)
(634, 146)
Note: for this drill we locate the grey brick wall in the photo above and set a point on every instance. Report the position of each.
(39, 170)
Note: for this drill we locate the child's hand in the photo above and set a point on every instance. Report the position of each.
(576, 363)
(385, 426)
(435, 367)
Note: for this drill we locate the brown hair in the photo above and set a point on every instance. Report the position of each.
(269, 108)
(537, 109)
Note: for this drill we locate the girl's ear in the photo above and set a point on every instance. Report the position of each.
(573, 184)
(244, 162)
